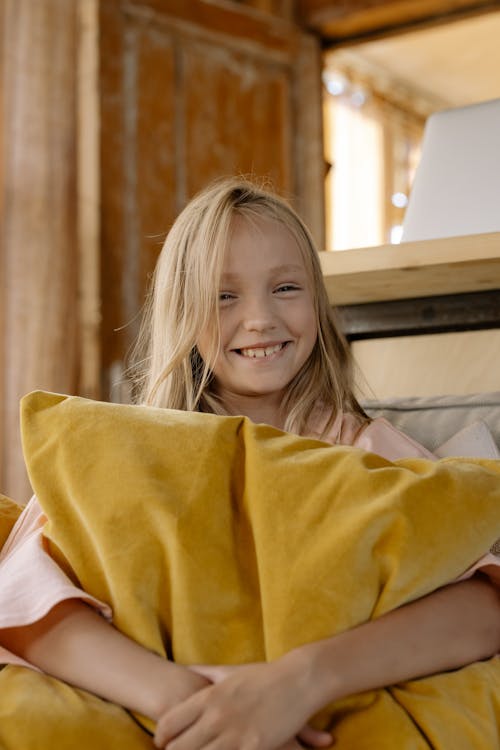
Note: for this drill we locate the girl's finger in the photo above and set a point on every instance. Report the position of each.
(178, 719)
(217, 672)
(214, 673)
(315, 737)
(198, 736)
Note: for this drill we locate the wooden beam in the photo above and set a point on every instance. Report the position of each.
(308, 142)
(443, 314)
(280, 8)
(247, 26)
(351, 20)
(413, 269)
(88, 199)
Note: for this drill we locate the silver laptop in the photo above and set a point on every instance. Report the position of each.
(456, 190)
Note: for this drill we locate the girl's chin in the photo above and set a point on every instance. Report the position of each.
(268, 394)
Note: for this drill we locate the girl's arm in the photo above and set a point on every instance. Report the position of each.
(75, 644)
(445, 630)
(448, 629)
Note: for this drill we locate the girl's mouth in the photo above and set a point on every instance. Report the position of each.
(262, 351)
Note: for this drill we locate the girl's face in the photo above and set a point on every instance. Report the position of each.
(267, 318)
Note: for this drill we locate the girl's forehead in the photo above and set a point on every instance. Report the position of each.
(261, 241)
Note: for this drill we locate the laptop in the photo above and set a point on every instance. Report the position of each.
(456, 190)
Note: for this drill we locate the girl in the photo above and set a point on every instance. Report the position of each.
(238, 322)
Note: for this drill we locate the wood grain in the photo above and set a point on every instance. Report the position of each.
(191, 92)
(355, 19)
(413, 269)
(40, 323)
(88, 200)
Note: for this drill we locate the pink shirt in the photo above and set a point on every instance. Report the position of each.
(31, 583)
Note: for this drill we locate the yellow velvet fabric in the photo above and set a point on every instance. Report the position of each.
(217, 540)
(9, 513)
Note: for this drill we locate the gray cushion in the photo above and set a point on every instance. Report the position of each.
(434, 419)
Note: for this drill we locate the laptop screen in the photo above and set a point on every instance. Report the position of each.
(456, 190)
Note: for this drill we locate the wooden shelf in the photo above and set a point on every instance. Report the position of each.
(413, 269)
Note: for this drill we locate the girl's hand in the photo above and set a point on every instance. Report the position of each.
(294, 745)
(217, 672)
(254, 707)
(308, 735)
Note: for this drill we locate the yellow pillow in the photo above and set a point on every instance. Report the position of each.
(218, 540)
(9, 513)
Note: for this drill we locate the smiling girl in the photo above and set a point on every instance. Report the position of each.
(267, 322)
(238, 322)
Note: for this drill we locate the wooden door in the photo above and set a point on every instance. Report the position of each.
(191, 91)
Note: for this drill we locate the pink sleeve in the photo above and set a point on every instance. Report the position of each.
(381, 437)
(31, 583)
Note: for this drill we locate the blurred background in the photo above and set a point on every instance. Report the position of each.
(113, 113)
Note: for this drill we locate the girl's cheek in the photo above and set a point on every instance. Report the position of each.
(225, 325)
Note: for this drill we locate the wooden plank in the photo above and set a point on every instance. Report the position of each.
(242, 23)
(113, 150)
(281, 8)
(3, 269)
(308, 143)
(443, 314)
(247, 119)
(414, 269)
(41, 336)
(143, 179)
(152, 158)
(354, 19)
(88, 198)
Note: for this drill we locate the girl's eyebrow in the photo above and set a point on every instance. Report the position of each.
(284, 268)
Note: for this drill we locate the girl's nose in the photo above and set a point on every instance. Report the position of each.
(258, 316)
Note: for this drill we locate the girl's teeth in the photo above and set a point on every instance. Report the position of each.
(261, 352)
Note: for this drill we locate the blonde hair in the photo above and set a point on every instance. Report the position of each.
(183, 300)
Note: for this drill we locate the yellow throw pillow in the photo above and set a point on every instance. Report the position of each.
(217, 540)
(9, 513)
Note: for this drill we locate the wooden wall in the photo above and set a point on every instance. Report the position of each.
(113, 114)
(191, 92)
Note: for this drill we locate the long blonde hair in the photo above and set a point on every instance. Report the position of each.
(183, 300)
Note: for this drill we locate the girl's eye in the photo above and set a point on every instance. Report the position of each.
(288, 288)
(225, 296)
